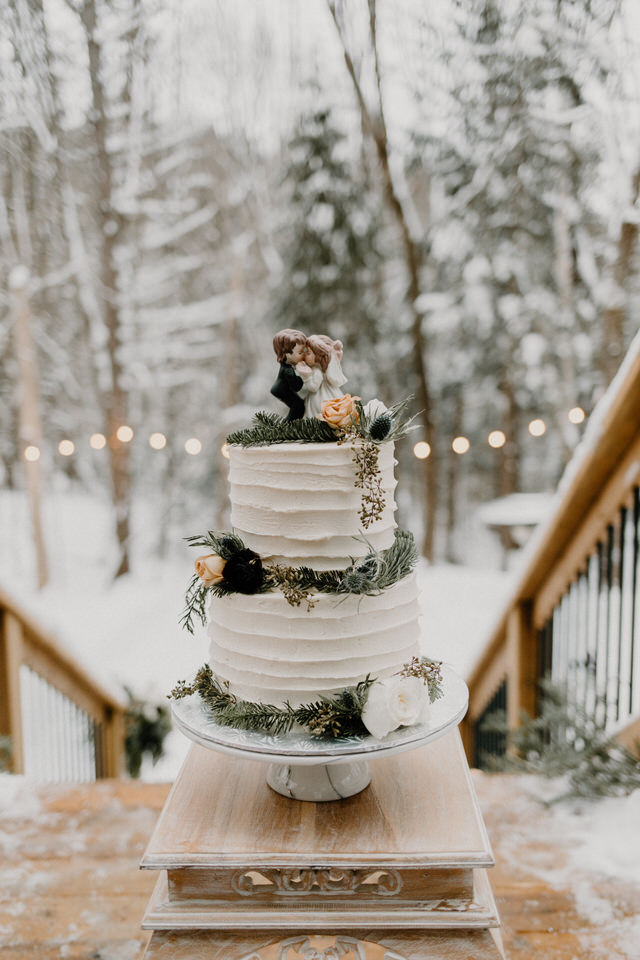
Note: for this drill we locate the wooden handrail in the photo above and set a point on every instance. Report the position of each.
(598, 481)
(24, 642)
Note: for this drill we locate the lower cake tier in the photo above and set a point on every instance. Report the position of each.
(272, 652)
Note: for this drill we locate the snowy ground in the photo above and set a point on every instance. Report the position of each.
(127, 633)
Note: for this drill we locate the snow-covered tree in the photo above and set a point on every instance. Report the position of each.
(330, 241)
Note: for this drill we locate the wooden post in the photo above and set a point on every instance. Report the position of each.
(114, 733)
(521, 663)
(30, 431)
(10, 709)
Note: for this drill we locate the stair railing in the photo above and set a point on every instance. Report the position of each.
(574, 616)
(58, 722)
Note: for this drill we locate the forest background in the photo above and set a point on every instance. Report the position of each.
(451, 188)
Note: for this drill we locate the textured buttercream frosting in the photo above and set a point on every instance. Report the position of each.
(297, 503)
(270, 651)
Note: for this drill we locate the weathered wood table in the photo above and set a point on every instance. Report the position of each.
(398, 872)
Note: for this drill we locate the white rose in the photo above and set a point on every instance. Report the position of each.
(374, 408)
(395, 702)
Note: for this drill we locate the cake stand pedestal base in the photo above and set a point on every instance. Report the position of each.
(322, 782)
(397, 871)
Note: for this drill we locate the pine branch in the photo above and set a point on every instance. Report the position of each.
(334, 716)
(267, 428)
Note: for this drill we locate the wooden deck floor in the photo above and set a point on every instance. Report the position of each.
(70, 885)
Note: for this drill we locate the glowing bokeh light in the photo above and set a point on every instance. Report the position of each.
(421, 450)
(124, 433)
(66, 447)
(537, 428)
(97, 441)
(460, 445)
(576, 415)
(158, 441)
(224, 450)
(193, 446)
(31, 453)
(496, 439)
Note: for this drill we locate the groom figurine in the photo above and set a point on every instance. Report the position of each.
(290, 347)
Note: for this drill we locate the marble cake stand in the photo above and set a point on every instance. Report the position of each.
(305, 768)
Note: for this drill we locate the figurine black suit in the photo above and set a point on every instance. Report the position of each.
(290, 346)
(286, 389)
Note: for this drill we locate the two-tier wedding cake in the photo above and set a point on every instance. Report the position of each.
(311, 601)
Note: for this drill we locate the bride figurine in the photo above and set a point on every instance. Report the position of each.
(321, 373)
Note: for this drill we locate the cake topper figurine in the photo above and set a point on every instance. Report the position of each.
(310, 372)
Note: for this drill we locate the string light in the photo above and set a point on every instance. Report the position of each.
(31, 453)
(576, 415)
(460, 445)
(421, 450)
(193, 446)
(537, 428)
(124, 434)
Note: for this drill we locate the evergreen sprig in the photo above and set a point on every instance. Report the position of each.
(328, 716)
(367, 576)
(570, 741)
(267, 428)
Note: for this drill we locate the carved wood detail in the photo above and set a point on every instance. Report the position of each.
(318, 882)
(341, 947)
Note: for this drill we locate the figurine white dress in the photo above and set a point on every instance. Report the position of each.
(321, 384)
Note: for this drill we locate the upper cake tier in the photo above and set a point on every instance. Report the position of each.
(298, 503)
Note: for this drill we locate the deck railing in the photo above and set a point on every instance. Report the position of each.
(61, 725)
(574, 616)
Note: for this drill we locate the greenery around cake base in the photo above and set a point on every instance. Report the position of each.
(329, 716)
(367, 576)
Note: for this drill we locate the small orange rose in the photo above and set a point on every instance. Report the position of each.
(210, 569)
(340, 412)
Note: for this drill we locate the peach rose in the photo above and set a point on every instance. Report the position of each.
(210, 569)
(340, 412)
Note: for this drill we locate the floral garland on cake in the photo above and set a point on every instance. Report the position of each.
(373, 707)
(343, 419)
(231, 567)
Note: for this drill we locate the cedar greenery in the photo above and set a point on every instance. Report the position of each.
(267, 428)
(338, 715)
(328, 716)
(368, 576)
(570, 741)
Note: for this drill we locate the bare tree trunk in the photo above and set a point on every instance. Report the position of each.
(615, 315)
(109, 229)
(453, 476)
(231, 383)
(377, 129)
(508, 456)
(30, 428)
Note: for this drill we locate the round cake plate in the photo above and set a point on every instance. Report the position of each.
(303, 767)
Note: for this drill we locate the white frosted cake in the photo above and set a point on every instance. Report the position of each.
(297, 504)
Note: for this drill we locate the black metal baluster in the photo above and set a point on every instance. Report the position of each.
(621, 552)
(609, 587)
(600, 664)
(634, 594)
